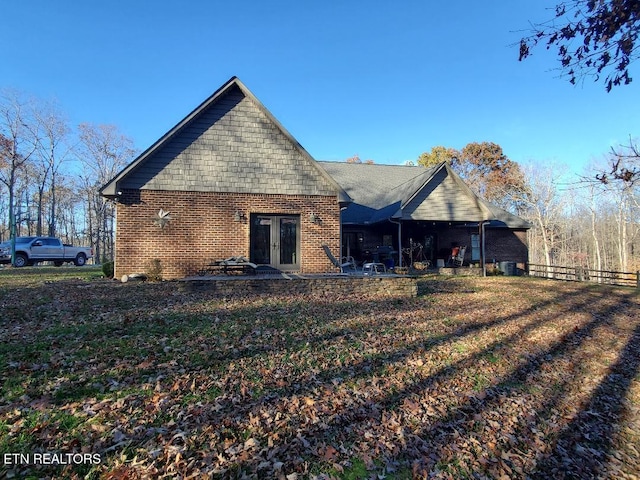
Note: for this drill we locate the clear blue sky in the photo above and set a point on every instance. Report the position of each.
(384, 80)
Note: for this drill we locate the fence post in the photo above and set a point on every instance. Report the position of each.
(638, 279)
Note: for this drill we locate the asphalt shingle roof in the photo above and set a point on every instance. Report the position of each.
(377, 191)
(380, 192)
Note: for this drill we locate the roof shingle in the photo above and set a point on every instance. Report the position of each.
(383, 192)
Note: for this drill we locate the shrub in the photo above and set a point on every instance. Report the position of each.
(154, 270)
(107, 269)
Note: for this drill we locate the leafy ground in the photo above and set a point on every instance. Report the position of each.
(475, 378)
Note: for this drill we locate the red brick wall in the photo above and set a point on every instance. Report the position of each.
(501, 244)
(202, 228)
(507, 246)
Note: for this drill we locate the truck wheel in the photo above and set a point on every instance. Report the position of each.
(20, 260)
(80, 260)
(58, 263)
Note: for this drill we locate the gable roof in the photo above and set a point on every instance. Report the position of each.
(229, 143)
(397, 192)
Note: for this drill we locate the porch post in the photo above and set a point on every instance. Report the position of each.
(483, 248)
(400, 243)
(340, 238)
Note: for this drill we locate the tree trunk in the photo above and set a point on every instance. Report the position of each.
(52, 211)
(596, 243)
(622, 233)
(39, 209)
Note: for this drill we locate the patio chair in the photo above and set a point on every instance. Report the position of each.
(457, 258)
(346, 265)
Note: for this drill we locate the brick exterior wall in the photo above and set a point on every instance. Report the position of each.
(507, 246)
(202, 229)
(501, 244)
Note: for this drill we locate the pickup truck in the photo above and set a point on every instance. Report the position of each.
(31, 250)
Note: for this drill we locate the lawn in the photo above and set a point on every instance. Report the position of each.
(474, 378)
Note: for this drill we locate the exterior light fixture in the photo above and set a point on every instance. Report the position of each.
(314, 218)
(239, 216)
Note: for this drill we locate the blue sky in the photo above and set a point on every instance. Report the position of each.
(384, 80)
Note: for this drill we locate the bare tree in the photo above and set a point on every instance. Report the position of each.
(624, 165)
(593, 211)
(104, 151)
(17, 145)
(622, 195)
(5, 149)
(53, 134)
(613, 209)
(542, 204)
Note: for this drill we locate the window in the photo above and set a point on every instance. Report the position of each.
(475, 247)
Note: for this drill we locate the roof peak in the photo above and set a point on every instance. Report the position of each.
(369, 164)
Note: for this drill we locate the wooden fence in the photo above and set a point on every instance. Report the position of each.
(582, 274)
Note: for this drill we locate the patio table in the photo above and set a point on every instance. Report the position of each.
(228, 266)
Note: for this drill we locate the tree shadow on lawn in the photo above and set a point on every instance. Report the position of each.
(588, 445)
(275, 325)
(312, 421)
(427, 443)
(538, 442)
(308, 438)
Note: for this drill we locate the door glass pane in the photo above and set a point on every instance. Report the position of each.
(288, 241)
(261, 240)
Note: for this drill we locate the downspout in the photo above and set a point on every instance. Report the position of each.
(399, 240)
(342, 209)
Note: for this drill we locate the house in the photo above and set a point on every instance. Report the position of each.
(230, 180)
(423, 213)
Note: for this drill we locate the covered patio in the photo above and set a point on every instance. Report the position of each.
(403, 215)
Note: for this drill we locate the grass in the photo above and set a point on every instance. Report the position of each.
(488, 377)
(33, 276)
